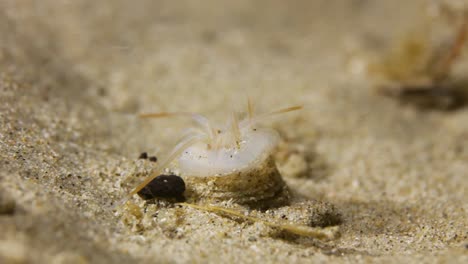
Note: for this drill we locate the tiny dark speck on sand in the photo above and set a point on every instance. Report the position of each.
(7, 206)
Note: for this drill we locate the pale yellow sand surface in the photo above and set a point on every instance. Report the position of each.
(74, 75)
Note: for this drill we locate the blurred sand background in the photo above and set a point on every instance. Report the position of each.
(74, 74)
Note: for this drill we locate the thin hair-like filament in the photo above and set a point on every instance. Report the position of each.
(445, 64)
(250, 108)
(235, 127)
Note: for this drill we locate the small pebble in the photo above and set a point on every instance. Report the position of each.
(252, 239)
(143, 155)
(164, 186)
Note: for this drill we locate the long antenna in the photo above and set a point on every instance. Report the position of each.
(256, 119)
(198, 118)
(176, 151)
(285, 110)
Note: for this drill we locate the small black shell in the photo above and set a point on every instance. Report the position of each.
(164, 186)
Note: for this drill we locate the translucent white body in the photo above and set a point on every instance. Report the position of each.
(201, 160)
(238, 156)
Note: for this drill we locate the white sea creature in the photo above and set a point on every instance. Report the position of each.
(233, 161)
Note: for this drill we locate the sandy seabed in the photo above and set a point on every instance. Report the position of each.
(74, 74)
